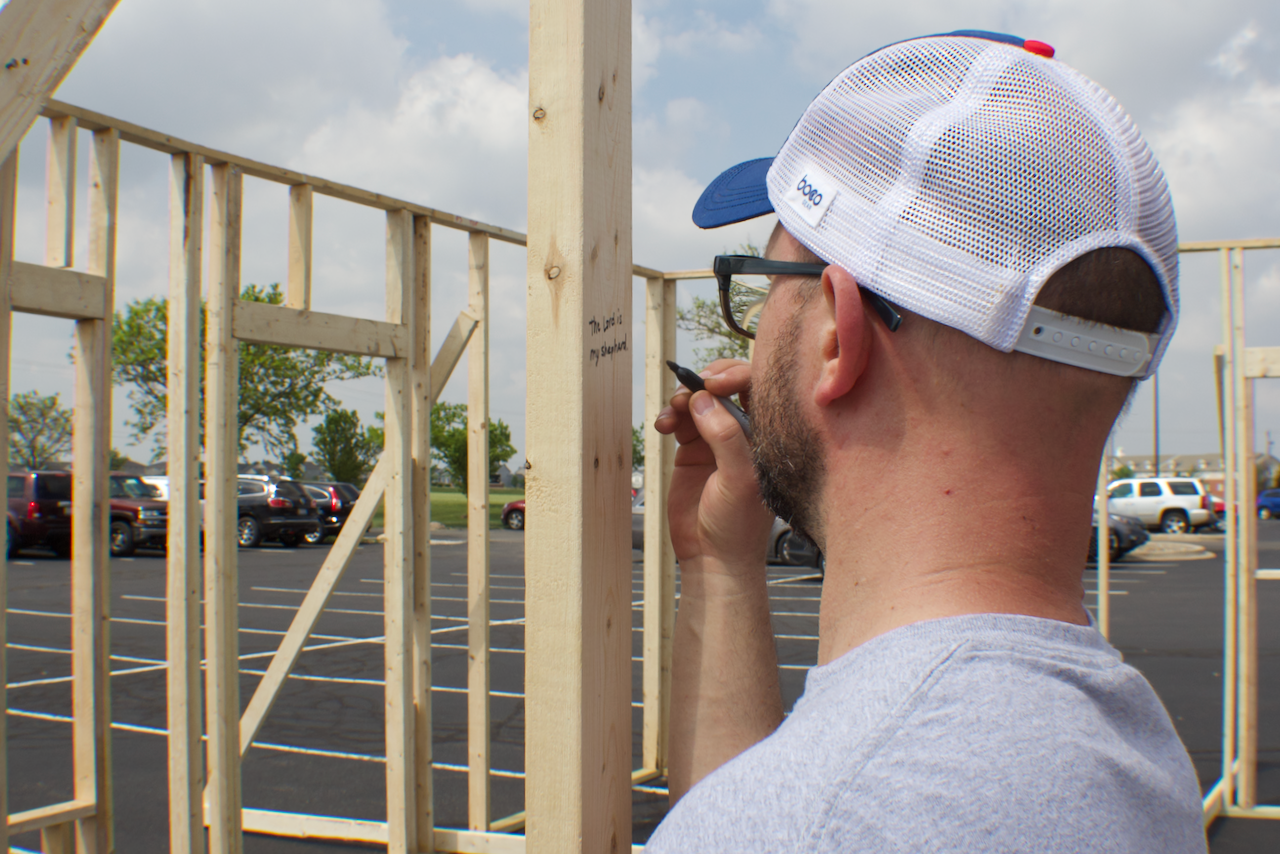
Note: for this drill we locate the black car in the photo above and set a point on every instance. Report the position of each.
(334, 501)
(1126, 534)
(277, 510)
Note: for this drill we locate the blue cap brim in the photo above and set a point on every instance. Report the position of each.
(738, 194)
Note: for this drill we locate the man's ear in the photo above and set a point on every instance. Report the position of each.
(845, 336)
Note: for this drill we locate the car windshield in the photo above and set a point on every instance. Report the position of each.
(132, 487)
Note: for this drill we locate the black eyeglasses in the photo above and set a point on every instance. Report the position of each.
(741, 302)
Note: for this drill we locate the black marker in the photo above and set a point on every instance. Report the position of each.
(693, 382)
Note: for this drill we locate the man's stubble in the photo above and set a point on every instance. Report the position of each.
(785, 448)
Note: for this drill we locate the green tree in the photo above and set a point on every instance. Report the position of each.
(39, 430)
(116, 460)
(449, 441)
(292, 464)
(345, 450)
(279, 386)
(637, 448)
(705, 320)
(1121, 473)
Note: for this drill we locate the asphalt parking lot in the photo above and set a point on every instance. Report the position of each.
(320, 750)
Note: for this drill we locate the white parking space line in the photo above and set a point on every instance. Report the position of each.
(795, 614)
(1113, 593)
(796, 637)
(304, 590)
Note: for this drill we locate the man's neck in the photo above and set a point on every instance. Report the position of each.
(960, 531)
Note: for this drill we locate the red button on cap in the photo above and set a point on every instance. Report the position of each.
(1039, 48)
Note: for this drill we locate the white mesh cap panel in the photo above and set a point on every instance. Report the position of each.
(965, 172)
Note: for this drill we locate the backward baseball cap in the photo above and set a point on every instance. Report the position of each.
(953, 175)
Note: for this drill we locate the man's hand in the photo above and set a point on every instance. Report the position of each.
(714, 506)
(724, 692)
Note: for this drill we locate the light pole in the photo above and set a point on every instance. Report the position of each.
(1155, 421)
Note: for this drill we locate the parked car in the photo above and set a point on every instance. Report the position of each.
(513, 514)
(1171, 505)
(789, 546)
(1269, 504)
(159, 482)
(334, 502)
(138, 516)
(39, 512)
(1125, 534)
(277, 510)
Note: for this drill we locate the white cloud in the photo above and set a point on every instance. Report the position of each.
(455, 139)
(1230, 60)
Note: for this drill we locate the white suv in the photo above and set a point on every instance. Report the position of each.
(1174, 505)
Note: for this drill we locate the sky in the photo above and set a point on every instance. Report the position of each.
(427, 101)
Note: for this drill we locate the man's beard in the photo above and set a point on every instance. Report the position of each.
(785, 450)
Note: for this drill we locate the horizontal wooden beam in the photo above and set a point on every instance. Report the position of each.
(264, 323)
(1260, 362)
(58, 292)
(158, 141)
(24, 822)
(687, 274)
(1267, 574)
(1215, 245)
(301, 825)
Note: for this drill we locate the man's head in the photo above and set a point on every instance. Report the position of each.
(995, 194)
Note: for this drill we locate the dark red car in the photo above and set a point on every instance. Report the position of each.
(513, 515)
(39, 512)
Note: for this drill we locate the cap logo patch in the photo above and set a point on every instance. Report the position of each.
(811, 194)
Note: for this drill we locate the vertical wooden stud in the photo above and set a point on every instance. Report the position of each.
(659, 556)
(57, 839)
(90, 561)
(423, 395)
(298, 290)
(184, 576)
(1246, 553)
(577, 543)
(60, 183)
(221, 576)
(8, 195)
(1104, 551)
(398, 572)
(1227, 417)
(478, 538)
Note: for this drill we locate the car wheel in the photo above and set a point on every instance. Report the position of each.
(1174, 522)
(796, 550)
(11, 545)
(1264, 513)
(121, 538)
(248, 532)
(515, 520)
(290, 540)
(314, 538)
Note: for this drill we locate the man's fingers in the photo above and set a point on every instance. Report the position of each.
(723, 436)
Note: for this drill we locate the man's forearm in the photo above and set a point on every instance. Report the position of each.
(725, 692)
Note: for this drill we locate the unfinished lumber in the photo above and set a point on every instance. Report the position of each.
(298, 289)
(60, 193)
(182, 558)
(398, 572)
(90, 556)
(40, 40)
(420, 413)
(263, 323)
(659, 556)
(54, 292)
(577, 541)
(222, 449)
(478, 807)
(8, 196)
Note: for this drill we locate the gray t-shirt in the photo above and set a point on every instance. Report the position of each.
(984, 733)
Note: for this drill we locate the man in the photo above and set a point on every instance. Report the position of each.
(929, 402)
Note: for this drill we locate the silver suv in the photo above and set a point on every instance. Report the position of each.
(1173, 505)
